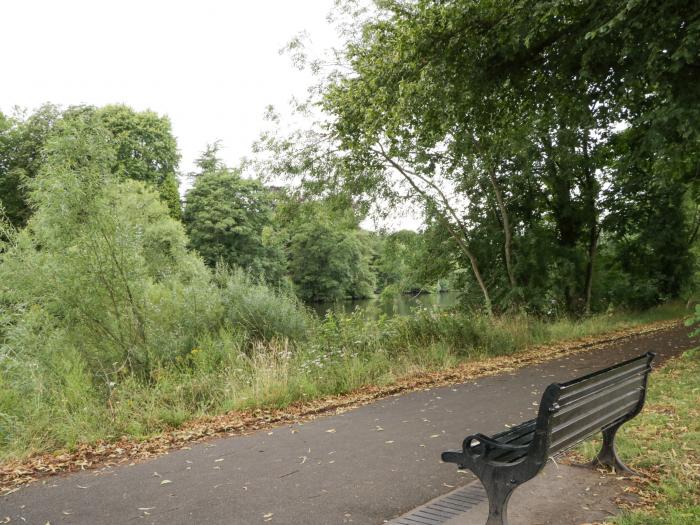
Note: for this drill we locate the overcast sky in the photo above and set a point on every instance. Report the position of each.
(211, 66)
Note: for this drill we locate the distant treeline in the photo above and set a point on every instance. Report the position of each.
(313, 247)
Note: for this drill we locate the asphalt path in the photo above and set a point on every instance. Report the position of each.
(365, 466)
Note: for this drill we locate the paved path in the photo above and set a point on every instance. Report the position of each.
(559, 495)
(364, 467)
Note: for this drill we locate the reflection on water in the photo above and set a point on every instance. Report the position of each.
(401, 305)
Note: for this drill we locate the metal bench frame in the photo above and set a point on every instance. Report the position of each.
(508, 459)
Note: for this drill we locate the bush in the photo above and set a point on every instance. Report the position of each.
(262, 312)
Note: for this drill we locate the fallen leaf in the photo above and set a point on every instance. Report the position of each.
(165, 482)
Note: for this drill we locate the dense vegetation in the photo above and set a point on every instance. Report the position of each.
(550, 146)
(553, 145)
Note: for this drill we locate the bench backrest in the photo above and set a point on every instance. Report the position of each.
(572, 411)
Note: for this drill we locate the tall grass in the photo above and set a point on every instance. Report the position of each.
(242, 368)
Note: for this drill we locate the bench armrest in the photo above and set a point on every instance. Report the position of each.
(486, 445)
(454, 456)
(492, 443)
(479, 452)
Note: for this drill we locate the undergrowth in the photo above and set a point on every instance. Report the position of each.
(56, 401)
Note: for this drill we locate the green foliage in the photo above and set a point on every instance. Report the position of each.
(209, 161)
(21, 155)
(251, 306)
(328, 264)
(227, 218)
(526, 132)
(99, 293)
(100, 255)
(142, 143)
(399, 263)
(145, 148)
(329, 257)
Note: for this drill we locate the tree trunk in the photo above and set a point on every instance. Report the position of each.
(592, 194)
(460, 239)
(474, 263)
(564, 213)
(508, 234)
(592, 249)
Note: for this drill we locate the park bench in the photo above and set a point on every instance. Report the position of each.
(568, 414)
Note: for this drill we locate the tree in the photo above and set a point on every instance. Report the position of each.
(228, 219)
(22, 140)
(143, 144)
(145, 148)
(330, 256)
(402, 261)
(329, 264)
(101, 273)
(498, 119)
(209, 161)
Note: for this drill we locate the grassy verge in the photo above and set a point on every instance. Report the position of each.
(664, 443)
(236, 371)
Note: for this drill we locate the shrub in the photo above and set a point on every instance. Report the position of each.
(262, 312)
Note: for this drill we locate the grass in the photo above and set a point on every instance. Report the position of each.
(237, 371)
(664, 443)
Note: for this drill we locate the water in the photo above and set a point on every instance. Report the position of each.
(401, 305)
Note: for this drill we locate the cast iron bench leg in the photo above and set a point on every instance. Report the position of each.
(498, 491)
(608, 455)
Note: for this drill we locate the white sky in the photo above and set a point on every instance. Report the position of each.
(212, 66)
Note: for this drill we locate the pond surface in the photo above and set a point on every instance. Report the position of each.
(401, 305)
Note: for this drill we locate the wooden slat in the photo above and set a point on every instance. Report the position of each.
(584, 428)
(576, 391)
(600, 399)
